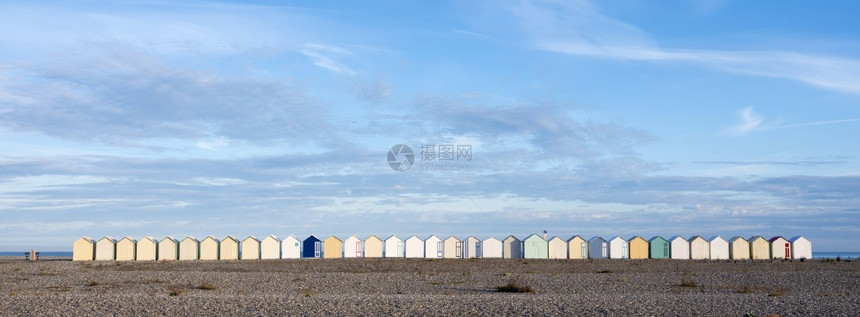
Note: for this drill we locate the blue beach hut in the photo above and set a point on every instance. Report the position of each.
(311, 247)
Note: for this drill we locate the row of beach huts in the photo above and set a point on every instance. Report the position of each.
(532, 247)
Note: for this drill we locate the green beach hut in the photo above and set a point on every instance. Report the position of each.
(658, 248)
(535, 247)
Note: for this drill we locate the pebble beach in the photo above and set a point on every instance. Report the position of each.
(406, 287)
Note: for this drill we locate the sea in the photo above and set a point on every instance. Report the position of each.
(815, 255)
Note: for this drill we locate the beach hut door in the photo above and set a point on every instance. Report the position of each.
(603, 249)
(478, 251)
(399, 248)
(584, 249)
(317, 249)
(459, 249)
(439, 249)
(624, 250)
(666, 249)
(787, 250)
(358, 249)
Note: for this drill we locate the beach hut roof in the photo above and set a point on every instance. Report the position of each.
(452, 237)
(636, 237)
(432, 236)
(574, 237)
(512, 236)
(735, 238)
(273, 237)
(334, 237)
(491, 238)
(189, 237)
(534, 235)
(676, 238)
(88, 239)
(617, 238)
(775, 238)
(693, 238)
(147, 238)
(252, 238)
(594, 238)
(109, 238)
(556, 238)
(393, 236)
(655, 238)
(715, 238)
(793, 239)
(225, 239)
(756, 238)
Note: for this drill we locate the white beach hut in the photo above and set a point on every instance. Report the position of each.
(84, 249)
(189, 249)
(452, 248)
(291, 248)
(168, 249)
(106, 249)
(414, 247)
(739, 248)
(209, 248)
(801, 248)
(433, 247)
(393, 247)
(227, 249)
(719, 248)
(471, 248)
(618, 248)
(679, 248)
(250, 248)
(780, 248)
(270, 248)
(557, 248)
(699, 249)
(512, 248)
(353, 247)
(491, 248)
(373, 247)
(147, 249)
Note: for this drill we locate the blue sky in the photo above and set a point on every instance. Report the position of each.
(691, 117)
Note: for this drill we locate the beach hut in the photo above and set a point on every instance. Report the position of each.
(699, 249)
(106, 249)
(780, 248)
(433, 247)
(168, 249)
(125, 249)
(147, 249)
(658, 248)
(759, 248)
(353, 247)
(638, 248)
(228, 249)
(679, 248)
(393, 247)
(332, 248)
(291, 248)
(250, 248)
(739, 248)
(577, 248)
(452, 248)
(270, 248)
(512, 248)
(414, 247)
(801, 248)
(84, 249)
(719, 248)
(209, 248)
(189, 249)
(471, 248)
(598, 248)
(373, 247)
(491, 248)
(535, 247)
(618, 248)
(557, 248)
(312, 247)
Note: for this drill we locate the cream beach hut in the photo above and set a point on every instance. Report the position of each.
(491, 248)
(452, 248)
(638, 247)
(332, 248)
(270, 248)
(801, 248)
(739, 248)
(189, 249)
(250, 249)
(228, 249)
(106, 249)
(147, 249)
(618, 248)
(719, 248)
(209, 248)
(168, 249)
(699, 249)
(780, 248)
(577, 248)
(679, 248)
(393, 247)
(535, 247)
(125, 249)
(471, 248)
(759, 248)
(291, 248)
(557, 248)
(373, 247)
(512, 248)
(353, 247)
(414, 247)
(84, 249)
(598, 248)
(658, 248)
(433, 247)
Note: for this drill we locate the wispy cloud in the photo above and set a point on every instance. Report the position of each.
(325, 56)
(749, 121)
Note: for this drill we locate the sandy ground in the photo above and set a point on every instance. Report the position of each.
(403, 287)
